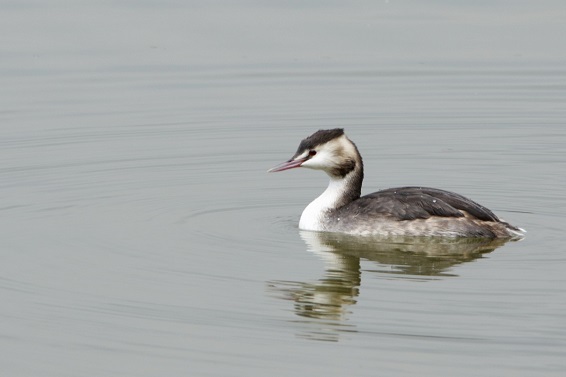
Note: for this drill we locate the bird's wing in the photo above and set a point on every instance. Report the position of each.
(409, 203)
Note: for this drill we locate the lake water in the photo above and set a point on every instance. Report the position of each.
(141, 235)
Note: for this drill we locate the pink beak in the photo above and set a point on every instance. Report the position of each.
(287, 165)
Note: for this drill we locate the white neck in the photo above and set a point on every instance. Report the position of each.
(313, 216)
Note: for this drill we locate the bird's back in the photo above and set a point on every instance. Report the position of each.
(417, 211)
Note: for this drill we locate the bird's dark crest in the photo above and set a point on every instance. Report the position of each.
(318, 138)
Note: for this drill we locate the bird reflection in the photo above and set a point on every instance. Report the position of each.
(324, 304)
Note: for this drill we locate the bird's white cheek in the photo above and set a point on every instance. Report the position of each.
(317, 162)
(309, 164)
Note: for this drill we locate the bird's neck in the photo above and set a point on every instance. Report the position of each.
(340, 191)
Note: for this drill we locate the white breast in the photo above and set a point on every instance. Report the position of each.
(313, 217)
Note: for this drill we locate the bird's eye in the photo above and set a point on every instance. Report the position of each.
(312, 152)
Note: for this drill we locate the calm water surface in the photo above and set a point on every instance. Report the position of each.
(141, 235)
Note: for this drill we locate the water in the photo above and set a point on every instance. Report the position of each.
(141, 235)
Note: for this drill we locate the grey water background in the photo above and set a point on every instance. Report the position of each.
(141, 235)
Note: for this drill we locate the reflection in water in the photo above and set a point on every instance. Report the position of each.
(325, 302)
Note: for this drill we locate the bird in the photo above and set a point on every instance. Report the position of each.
(403, 211)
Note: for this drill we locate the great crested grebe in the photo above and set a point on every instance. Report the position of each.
(403, 211)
